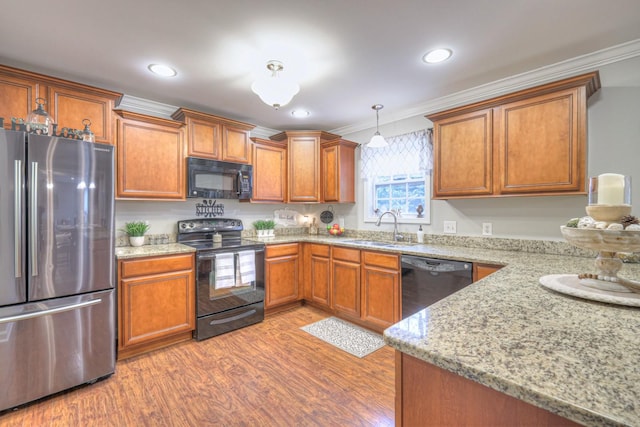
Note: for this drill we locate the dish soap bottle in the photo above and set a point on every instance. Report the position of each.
(420, 235)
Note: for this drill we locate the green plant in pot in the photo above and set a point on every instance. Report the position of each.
(136, 230)
(269, 225)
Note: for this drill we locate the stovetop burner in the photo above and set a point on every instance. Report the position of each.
(199, 233)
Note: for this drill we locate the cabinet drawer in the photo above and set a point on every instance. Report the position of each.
(381, 260)
(274, 251)
(155, 265)
(319, 250)
(346, 254)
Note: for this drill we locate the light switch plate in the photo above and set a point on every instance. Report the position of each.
(450, 227)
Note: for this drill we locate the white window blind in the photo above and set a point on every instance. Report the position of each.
(398, 177)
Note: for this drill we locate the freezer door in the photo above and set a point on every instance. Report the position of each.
(12, 221)
(47, 347)
(70, 204)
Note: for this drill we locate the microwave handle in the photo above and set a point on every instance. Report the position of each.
(239, 183)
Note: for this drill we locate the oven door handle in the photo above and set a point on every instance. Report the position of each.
(207, 256)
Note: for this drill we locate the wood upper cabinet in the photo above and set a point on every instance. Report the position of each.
(380, 289)
(463, 151)
(150, 159)
(531, 142)
(317, 273)
(282, 274)
(215, 137)
(338, 171)
(346, 282)
(303, 148)
(269, 171)
(67, 102)
(156, 302)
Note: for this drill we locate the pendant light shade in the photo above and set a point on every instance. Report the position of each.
(275, 90)
(377, 141)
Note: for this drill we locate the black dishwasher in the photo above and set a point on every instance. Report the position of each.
(427, 280)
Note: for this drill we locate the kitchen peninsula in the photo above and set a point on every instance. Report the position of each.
(575, 358)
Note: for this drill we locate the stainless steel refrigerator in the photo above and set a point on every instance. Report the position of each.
(57, 314)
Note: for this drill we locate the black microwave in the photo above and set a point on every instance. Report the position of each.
(212, 179)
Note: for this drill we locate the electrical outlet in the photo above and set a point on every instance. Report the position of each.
(450, 227)
(487, 229)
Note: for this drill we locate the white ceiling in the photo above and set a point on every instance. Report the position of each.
(346, 54)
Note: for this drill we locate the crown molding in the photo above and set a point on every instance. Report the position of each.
(146, 106)
(539, 76)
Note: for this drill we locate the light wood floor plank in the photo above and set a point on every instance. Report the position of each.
(270, 374)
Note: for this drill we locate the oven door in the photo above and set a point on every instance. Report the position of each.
(224, 279)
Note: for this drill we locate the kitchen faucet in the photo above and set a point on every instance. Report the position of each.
(396, 236)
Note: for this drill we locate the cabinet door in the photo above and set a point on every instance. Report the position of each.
(304, 169)
(18, 97)
(380, 290)
(319, 274)
(542, 144)
(156, 300)
(345, 271)
(463, 155)
(70, 106)
(150, 162)
(338, 172)
(282, 272)
(235, 145)
(269, 171)
(204, 139)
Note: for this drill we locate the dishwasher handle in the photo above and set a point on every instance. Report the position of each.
(436, 265)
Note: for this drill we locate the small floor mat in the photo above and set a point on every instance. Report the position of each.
(346, 336)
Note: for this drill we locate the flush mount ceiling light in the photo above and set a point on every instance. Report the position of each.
(437, 55)
(162, 70)
(300, 114)
(377, 141)
(275, 90)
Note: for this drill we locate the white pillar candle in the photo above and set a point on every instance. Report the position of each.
(610, 189)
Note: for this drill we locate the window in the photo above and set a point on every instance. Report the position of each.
(398, 178)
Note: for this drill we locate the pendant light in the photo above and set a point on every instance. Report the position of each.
(275, 90)
(377, 141)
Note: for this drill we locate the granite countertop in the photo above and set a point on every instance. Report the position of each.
(126, 252)
(577, 358)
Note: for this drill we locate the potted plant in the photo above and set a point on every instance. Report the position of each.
(135, 230)
(259, 225)
(269, 225)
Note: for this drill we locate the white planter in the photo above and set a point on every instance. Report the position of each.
(136, 240)
(262, 233)
(270, 233)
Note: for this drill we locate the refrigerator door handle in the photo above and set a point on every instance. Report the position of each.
(19, 317)
(33, 228)
(17, 217)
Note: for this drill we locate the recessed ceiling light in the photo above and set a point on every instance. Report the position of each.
(162, 70)
(437, 55)
(300, 114)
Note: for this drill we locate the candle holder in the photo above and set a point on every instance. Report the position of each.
(609, 197)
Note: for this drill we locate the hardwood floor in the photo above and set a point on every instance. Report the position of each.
(269, 374)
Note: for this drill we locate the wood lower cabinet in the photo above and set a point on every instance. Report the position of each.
(150, 157)
(214, 137)
(156, 302)
(481, 271)
(429, 395)
(531, 142)
(68, 103)
(317, 274)
(282, 275)
(346, 282)
(380, 289)
(269, 171)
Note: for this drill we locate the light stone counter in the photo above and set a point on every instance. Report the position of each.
(125, 252)
(576, 358)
